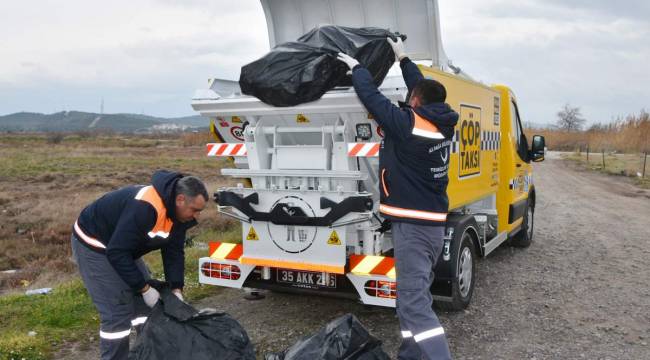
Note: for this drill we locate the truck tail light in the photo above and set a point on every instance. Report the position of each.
(221, 271)
(382, 289)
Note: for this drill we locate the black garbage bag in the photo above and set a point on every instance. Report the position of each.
(344, 338)
(176, 330)
(298, 72)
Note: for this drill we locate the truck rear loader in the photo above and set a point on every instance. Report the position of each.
(308, 202)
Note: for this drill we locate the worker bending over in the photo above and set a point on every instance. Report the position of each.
(114, 232)
(413, 166)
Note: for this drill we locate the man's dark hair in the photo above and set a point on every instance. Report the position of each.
(429, 91)
(191, 187)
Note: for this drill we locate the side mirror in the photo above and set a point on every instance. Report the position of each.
(537, 149)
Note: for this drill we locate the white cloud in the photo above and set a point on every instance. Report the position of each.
(551, 53)
(122, 43)
(152, 54)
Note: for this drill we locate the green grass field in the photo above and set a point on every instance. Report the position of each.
(67, 314)
(43, 187)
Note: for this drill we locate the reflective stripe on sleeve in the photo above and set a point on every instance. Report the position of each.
(114, 335)
(87, 239)
(406, 334)
(429, 334)
(139, 320)
(161, 234)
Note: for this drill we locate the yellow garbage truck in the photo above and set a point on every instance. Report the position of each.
(309, 195)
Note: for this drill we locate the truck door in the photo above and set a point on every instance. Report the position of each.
(519, 184)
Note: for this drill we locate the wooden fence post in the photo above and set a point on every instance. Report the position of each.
(645, 158)
(587, 154)
(603, 159)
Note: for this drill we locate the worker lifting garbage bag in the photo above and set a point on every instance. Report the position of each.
(302, 71)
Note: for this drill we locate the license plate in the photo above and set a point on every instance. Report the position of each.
(305, 279)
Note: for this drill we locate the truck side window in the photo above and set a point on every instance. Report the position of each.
(518, 133)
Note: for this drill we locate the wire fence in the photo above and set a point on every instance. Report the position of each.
(633, 165)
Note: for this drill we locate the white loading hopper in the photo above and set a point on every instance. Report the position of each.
(287, 20)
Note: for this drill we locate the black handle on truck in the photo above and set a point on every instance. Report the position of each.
(284, 214)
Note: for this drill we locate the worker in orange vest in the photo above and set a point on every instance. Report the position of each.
(113, 233)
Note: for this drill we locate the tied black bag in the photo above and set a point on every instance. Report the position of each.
(298, 72)
(175, 330)
(344, 338)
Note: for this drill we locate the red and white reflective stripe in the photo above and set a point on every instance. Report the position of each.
(363, 149)
(227, 149)
(219, 250)
(87, 239)
(414, 214)
(372, 265)
(114, 335)
(429, 334)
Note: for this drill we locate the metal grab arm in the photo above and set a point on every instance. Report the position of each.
(284, 214)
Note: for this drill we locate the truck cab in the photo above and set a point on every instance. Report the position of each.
(309, 204)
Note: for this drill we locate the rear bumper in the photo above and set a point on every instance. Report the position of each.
(371, 279)
(370, 289)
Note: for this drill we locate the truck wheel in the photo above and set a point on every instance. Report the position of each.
(524, 237)
(462, 287)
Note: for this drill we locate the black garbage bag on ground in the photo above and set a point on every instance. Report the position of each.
(297, 72)
(344, 338)
(176, 330)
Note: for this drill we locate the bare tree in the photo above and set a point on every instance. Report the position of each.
(569, 118)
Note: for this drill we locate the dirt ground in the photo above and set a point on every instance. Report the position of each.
(581, 291)
(53, 182)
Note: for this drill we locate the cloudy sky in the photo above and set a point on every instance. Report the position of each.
(148, 56)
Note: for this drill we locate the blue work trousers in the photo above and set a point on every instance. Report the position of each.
(417, 248)
(119, 307)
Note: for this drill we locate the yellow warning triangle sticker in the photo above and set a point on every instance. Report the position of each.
(252, 235)
(300, 118)
(334, 239)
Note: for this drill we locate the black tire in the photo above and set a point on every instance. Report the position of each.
(464, 282)
(524, 237)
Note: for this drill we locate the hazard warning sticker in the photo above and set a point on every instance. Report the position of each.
(252, 235)
(334, 239)
(300, 118)
(469, 161)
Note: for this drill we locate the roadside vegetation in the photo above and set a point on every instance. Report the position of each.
(629, 165)
(45, 181)
(617, 148)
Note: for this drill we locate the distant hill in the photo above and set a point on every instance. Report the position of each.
(67, 121)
